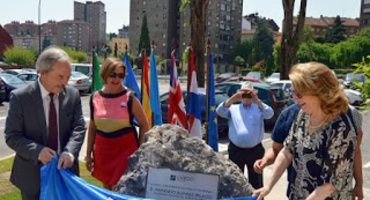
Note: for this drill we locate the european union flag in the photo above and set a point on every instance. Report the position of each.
(130, 80)
(212, 116)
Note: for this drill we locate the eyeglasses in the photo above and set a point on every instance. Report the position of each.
(117, 75)
(296, 94)
(247, 96)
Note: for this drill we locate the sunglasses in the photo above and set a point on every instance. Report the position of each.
(117, 75)
(247, 96)
(296, 94)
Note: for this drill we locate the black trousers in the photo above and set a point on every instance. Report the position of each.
(247, 156)
(26, 196)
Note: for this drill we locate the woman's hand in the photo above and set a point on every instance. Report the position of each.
(262, 192)
(89, 163)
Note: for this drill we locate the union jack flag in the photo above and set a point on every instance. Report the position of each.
(176, 105)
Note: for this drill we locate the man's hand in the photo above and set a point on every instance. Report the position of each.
(259, 165)
(65, 160)
(357, 193)
(46, 155)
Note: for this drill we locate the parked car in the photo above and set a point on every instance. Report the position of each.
(2, 92)
(270, 95)
(286, 85)
(11, 82)
(354, 97)
(255, 75)
(12, 71)
(28, 77)
(85, 68)
(351, 78)
(80, 81)
(219, 97)
(225, 76)
(243, 78)
(273, 77)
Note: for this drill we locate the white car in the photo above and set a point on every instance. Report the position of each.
(354, 97)
(80, 81)
(286, 85)
(273, 77)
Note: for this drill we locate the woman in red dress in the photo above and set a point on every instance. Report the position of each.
(112, 138)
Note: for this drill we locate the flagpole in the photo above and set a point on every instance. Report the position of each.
(142, 74)
(189, 75)
(207, 89)
(126, 48)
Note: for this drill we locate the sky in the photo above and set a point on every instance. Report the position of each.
(118, 11)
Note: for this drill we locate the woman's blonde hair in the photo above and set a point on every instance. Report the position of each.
(317, 79)
(109, 66)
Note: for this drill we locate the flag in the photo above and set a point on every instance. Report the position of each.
(155, 104)
(130, 80)
(97, 83)
(212, 116)
(176, 106)
(145, 89)
(63, 184)
(194, 110)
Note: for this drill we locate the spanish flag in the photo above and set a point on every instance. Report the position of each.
(145, 87)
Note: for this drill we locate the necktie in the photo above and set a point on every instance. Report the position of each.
(53, 126)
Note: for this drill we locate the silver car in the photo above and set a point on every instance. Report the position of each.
(79, 81)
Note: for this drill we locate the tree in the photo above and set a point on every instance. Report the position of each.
(45, 43)
(20, 56)
(291, 35)
(112, 35)
(144, 42)
(264, 41)
(337, 32)
(246, 51)
(76, 56)
(198, 12)
(239, 61)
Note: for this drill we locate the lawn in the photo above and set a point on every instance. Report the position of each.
(9, 192)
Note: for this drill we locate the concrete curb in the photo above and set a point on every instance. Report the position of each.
(6, 157)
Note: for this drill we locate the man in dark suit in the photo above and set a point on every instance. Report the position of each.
(44, 119)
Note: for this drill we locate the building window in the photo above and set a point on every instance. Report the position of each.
(366, 1)
(366, 10)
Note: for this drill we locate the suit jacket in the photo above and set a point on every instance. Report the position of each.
(26, 132)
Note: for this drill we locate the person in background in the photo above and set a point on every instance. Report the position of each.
(112, 137)
(322, 140)
(44, 120)
(281, 131)
(246, 129)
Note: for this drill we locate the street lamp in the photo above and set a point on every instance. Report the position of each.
(39, 15)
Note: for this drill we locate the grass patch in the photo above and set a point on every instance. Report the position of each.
(86, 175)
(6, 165)
(9, 192)
(12, 195)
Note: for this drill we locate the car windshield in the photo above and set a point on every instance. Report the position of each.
(275, 75)
(226, 75)
(256, 75)
(355, 77)
(11, 79)
(279, 94)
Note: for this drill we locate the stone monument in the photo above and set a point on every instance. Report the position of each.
(169, 146)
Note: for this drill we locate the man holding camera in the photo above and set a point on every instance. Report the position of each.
(246, 113)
